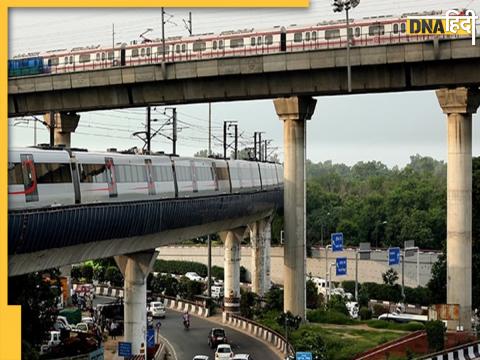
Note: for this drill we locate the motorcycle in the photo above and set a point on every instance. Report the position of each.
(186, 324)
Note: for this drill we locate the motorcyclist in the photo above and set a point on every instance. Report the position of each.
(186, 319)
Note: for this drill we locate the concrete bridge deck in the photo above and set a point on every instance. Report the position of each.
(381, 68)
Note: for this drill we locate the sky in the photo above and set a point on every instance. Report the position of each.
(344, 128)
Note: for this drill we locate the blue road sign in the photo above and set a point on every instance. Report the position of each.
(393, 256)
(303, 356)
(150, 338)
(341, 266)
(337, 242)
(124, 349)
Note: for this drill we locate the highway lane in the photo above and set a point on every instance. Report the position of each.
(193, 342)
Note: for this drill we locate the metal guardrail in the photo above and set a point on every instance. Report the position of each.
(468, 351)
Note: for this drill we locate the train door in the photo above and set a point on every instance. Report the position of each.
(194, 177)
(213, 169)
(29, 178)
(76, 180)
(283, 39)
(112, 184)
(122, 56)
(150, 180)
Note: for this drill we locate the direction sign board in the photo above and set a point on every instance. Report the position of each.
(303, 356)
(393, 256)
(364, 251)
(150, 338)
(337, 242)
(124, 349)
(341, 266)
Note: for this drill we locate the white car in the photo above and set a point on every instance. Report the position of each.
(242, 357)
(224, 351)
(193, 276)
(157, 309)
(201, 357)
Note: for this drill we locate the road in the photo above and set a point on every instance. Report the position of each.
(193, 342)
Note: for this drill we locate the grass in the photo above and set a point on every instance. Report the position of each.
(382, 324)
(345, 343)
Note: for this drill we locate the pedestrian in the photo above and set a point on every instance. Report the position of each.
(113, 329)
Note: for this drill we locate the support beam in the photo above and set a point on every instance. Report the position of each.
(135, 269)
(257, 239)
(65, 123)
(459, 104)
(232, 240)
(267, 261)
(293, 111)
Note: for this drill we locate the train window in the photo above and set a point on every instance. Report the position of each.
(103, 56)
(403, 27)
(297, 37)
(199, 46)
(142, 172)
(177, 48)
(307, 36)
(184, 47)
(350, 33)
(83, 58)
(15, 174)
(252, 41)
(314, 35)
(134, 52)
(376, 30)
(268, 39)
(332, 34)
(97, 57)
(160, 49)
(357, 31)
(149, 51)
(163, 173)
(49, 173)
(222, 173)
(55, 61)
(395, 28)
(214, 45)
(235, 43)
(71, 59)
(66, 60)
(259, 40)
(93, 173)
(142, 52)
(110, 55)
(220, 44)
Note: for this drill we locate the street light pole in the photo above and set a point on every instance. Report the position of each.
(349, 70)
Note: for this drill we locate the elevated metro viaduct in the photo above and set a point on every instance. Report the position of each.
(130, 231)
(448, 66)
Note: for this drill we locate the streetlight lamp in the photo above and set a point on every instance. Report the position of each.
(339, 6)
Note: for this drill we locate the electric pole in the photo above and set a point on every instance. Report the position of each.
(174, 136)
(260, 146)
(209, 129)
(225, 140)
(149, 130)
(52, 128)
(188, 24)
(113, 44)
(163, 42)
(255, 145)
(236, 141)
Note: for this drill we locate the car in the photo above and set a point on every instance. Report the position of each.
(224, 351)
(217, 292)
(81, 327)
(157, 309)
(201, 357)
(193, 276)
(88, 320)
(242, 357)
(216, 336)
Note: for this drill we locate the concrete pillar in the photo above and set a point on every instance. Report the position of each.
(459, 104)
(135, 269)
(293, 111)
(257, 239)
(266, 253)
(65, 124)
(232, 240)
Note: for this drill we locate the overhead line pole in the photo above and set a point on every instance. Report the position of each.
(163, 41)
(224, 139)
(209, 129)
(174, 137)
(52, 128)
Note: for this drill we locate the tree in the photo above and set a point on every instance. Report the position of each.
(390, 277)
(312, 342)
(248, 303)
(435, 335)
(114, 276)
(87, 272)
(37, 294)
(274, 299)
(312, 295)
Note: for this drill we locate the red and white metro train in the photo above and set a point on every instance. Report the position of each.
(40, 178)
(327, 34)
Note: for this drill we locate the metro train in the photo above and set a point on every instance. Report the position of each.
(328, 34)
(39, 178)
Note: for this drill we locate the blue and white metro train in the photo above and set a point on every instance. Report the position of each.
(40, 178)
